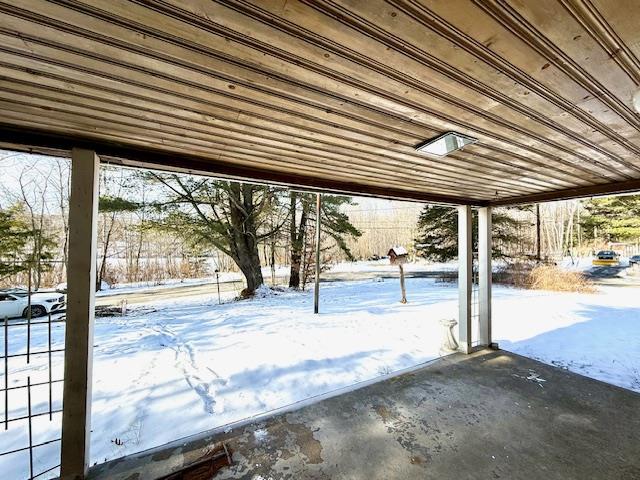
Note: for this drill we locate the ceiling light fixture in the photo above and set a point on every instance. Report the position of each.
(445, 144)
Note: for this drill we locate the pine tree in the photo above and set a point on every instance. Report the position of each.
(438, 232)
(614, 219)
(334, 223)
(14, 236)
(20, 245)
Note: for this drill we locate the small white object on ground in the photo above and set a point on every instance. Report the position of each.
(449, 344)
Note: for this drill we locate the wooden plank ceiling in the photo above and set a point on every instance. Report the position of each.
(336, 94)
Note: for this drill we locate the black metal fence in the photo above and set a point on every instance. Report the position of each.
(26, 356)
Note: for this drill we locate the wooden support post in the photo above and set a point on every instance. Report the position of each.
(465, 277)
(485, 271)
(316, 292)
(404, 291)
(81, 281)
(538, 235)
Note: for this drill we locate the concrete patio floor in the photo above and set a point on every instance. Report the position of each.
(482, 416)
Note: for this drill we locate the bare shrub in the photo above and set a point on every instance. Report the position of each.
(516, 274)
(155, 271)
(543, 277)
(550, 277)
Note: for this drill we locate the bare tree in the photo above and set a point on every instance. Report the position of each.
(60, 181)
(34, 197)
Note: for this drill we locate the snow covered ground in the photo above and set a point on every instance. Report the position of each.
(596, 335)
(168, 370)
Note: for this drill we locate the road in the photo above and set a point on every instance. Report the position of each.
(614, 276)
(599, 275)
(235, 286)
(607, 276)
(169, 293)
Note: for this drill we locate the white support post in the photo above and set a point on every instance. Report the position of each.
(316, 292)
(81, 280)
(465, 277)
(484, 270)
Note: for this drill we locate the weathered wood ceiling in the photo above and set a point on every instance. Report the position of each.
(336, 94)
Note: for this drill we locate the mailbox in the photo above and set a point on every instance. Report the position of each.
(398, 255)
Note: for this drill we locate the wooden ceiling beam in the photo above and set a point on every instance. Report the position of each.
(33, 140)
(628, 187)
(228, 140)
(300, 89)
(215, 149)
(337, 93)
(472, 161)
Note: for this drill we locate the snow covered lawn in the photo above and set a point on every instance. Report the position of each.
(194, 366)
(173, 369)
(597, 335)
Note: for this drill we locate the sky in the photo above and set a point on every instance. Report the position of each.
(36, 168)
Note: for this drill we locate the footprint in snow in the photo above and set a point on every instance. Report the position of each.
(202, 379)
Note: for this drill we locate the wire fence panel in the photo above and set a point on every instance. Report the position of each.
(475, 304)
(31, 388)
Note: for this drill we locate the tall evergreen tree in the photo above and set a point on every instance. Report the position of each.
(438, 232)
(333, 222)
(21, 246)
(613, 219)
(14, 237)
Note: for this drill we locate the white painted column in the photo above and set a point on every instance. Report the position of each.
(81, 280)
(484, 271)
(316, 291)
(465, 277)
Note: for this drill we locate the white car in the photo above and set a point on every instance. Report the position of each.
(14, 303)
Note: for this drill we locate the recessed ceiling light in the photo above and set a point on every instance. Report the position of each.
(445, 144)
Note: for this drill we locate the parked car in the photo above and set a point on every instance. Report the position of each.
(606, 258)
(14, 303)
(635, 260)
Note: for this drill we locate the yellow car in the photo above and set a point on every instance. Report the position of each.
(606, 258)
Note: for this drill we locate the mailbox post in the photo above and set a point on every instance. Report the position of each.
(398, 256)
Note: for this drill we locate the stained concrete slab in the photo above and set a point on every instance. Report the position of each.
(488, 415)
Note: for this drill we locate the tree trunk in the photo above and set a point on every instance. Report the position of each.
(105, 251)
(244, 247)
(251, 270)
(272, 260)
(297, 234)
